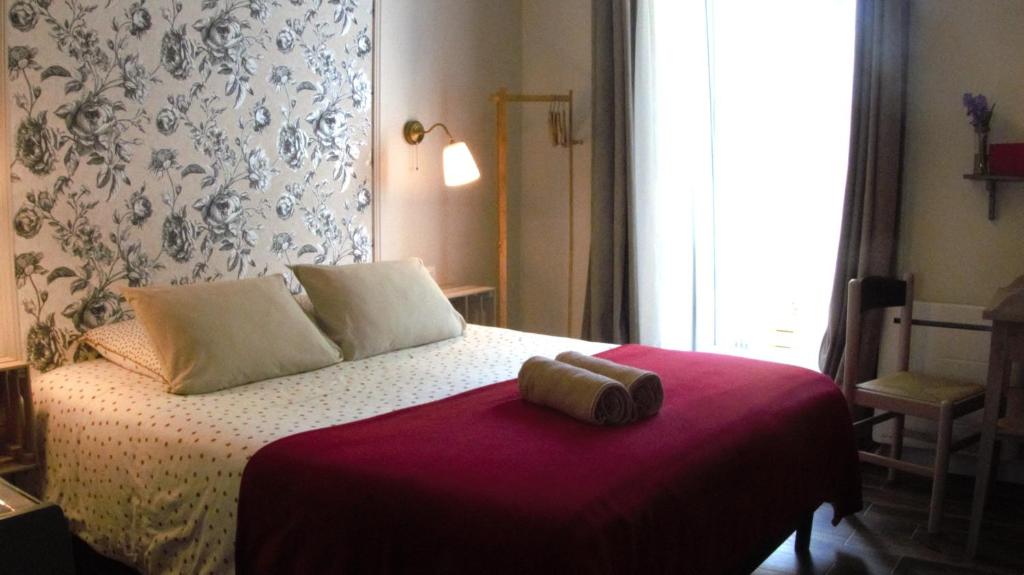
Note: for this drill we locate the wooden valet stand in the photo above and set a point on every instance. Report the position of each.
(561, 125)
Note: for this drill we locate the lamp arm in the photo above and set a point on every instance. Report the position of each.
(414, 133)
(443, 127)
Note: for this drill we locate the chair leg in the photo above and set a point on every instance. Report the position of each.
(897, 443)
(941, 467)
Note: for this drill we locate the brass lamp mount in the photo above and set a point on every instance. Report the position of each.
(414, 132)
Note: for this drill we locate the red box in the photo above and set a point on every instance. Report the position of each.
(1006, 159)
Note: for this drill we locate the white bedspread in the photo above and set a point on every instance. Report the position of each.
(152, 479)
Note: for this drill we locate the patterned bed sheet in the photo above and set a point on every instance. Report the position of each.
(152, 479)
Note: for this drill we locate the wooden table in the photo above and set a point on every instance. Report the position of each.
(1007, 314)
(475, 303)
(17, 440)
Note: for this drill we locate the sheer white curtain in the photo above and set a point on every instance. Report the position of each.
(742, 129)
(674, 174)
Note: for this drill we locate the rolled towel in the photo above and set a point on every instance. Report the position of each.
(579, 393)
(643, 386)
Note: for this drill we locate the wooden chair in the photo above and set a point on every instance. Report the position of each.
(904, 393)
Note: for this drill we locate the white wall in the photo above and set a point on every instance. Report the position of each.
(956, 47)
(946, 239)
(440, 61)
(556, 58)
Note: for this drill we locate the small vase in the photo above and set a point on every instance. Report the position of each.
(981, 153)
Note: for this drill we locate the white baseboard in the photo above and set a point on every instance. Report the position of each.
(1010, 470)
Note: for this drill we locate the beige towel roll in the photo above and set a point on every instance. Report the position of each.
(643, 386)
(581, 394)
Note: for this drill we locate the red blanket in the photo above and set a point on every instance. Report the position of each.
(484, 482)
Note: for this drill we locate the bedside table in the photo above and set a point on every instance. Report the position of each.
(17, 421)
(475, 303)
(34, 536)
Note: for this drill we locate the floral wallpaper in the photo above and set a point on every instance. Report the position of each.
(171, 141)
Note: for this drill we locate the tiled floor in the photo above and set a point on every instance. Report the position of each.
(890, 535)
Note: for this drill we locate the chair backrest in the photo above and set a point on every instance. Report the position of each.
(865, 294)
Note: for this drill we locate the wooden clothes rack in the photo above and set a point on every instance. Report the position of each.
(502, 98)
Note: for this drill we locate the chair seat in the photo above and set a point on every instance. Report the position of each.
(1011, 427)
(921, 388)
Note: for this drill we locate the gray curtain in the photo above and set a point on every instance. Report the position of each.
(609, 312)
(870, 224)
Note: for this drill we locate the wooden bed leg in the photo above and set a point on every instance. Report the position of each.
(802, 545)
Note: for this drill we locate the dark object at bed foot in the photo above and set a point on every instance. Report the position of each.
(34, 539)
(89, 562)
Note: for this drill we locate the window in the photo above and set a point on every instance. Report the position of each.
(743, 113)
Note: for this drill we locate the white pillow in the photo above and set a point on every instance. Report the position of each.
(126, 344)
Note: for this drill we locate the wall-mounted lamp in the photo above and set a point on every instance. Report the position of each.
(459, 166)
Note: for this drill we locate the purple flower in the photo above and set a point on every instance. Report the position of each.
(978, 111)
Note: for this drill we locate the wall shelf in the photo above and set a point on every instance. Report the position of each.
(990, 186)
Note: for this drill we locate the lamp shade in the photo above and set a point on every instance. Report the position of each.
(459, 166)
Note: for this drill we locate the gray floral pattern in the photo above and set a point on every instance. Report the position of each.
(164, 141)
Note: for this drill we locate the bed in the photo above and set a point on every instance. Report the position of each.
(153, 479)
